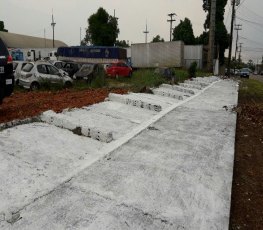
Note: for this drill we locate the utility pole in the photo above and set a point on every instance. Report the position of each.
(211, 50)
(146, 33)
(80, 36)
(240, 50)
(237, 28)
(53, 27)
(45, 38)
(171, 20)
(234, 3)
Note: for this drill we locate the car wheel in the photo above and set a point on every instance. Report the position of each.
(116, 76)
(34, 86)
(130, 74)
(68, 84)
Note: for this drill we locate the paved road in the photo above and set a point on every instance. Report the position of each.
(170, 169)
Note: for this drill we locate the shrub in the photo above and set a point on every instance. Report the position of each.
(192, 69)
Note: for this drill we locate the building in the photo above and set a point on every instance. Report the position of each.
(23, 47)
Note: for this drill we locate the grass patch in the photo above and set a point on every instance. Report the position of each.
(251, 90)
(138, 81)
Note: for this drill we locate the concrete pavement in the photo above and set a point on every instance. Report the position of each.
(175, 172)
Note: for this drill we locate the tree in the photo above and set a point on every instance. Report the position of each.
(221, 35)
(122, 43)
(202, 39)
(184, 32)
(158, 39)
(102, 29)
(2, 27)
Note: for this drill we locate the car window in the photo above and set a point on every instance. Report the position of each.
(28, 67)
(15, 64)
(23, 65)
(67, 65)
(42, 69)
(52, 70)
(58, 65)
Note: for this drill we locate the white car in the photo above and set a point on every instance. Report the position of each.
(17, 67)
(35, 74)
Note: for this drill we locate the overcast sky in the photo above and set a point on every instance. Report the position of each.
(32, 17)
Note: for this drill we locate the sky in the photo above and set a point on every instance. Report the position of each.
(33, 17)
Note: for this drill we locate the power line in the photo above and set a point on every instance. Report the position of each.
(250, 40)
(246, 20)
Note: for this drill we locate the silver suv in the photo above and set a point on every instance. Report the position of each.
(35, 74)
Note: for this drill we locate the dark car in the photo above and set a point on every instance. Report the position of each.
(117, 69)
(245, 72)
(88, 72)
(71, 68)
(6, 72)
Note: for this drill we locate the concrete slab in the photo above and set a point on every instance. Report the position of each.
(175, 174)
(37, 157)
(162, 91)
(179, 89)
(121, 111)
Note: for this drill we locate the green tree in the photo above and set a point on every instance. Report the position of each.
(102, 29)
(221, 35)
(158, 38)
(122, 43)
(202, 39)
(184, 32)
(2, 27)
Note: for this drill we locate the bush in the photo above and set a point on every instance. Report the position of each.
(99, 80)
(192, 70)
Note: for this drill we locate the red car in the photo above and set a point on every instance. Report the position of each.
(117, 69)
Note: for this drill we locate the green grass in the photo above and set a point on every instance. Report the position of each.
(139, 80)
(251, 90)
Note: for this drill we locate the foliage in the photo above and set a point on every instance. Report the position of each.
(202, 39)
(2, 27)
(192, 69)
(122, 43)
(102, 29)
(251, 65)
(184, 32)
(157, 38)
(251, 90)
(221, 35)
(99, 81)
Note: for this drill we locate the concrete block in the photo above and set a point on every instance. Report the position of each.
(167, 93)
(178, 88)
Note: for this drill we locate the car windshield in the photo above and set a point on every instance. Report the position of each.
(28, 67)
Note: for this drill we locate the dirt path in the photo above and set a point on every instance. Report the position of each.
(247, 191)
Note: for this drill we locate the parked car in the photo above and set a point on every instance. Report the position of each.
(87, 72)
(35, 74)
(245, 72)
(58, 64)
(17, 67)
(71, 68)
(117, 69)
(6, 72)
